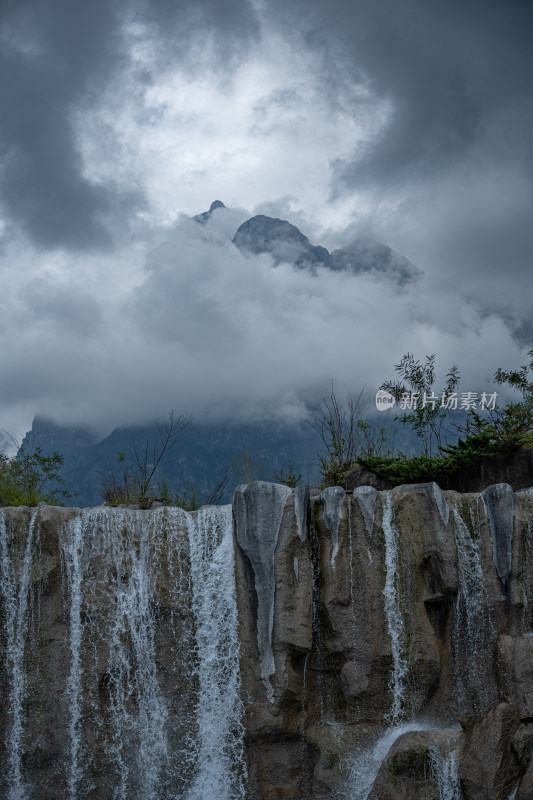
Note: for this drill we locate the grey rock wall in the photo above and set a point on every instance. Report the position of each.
(461, 600)
(385, 643)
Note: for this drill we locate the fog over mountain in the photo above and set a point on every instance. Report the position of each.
(285, 243)
(385, 148)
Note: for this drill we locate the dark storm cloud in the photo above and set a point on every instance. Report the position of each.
(56, 56)
(226, 25)
(448, 178)
(52, 54)
(447, 68)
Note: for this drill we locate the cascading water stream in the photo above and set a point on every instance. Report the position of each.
(366, 763)
(16, 599)
(471, 623)
(365, 766)
(151, 665)
(220, 755)
(72, 550)
(352, 598)
(395, 619)
(444, 769)
(315, 551)
(526, 588)
(129, 685)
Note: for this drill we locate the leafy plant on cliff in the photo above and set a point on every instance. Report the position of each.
(414, 391)
(291, 479)
(30, 477)
(503, 431)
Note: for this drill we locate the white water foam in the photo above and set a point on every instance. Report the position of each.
(395, 619)
(471, 623)
(116, 560)
(220, 749)
(15, 591)
(72, 551)
(445, 773)
(366, 763)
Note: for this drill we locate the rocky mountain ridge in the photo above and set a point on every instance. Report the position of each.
(285, 242)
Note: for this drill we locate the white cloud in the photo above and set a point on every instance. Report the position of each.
(244, 134)
(213, 332)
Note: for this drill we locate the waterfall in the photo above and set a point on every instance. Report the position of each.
(72, 550)
(393, 611)
(149, 706)
(445, 774)
(365, 765)
(16, 601)
(471, 623)
(352, 598)
(526, 590)
(220, 753)
(118, 570)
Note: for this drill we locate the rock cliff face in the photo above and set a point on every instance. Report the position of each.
(400, 617)
(371, 644)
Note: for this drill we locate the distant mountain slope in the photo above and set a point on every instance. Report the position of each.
(367, 256)
(200, 457)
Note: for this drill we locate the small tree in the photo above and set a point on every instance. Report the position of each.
(137, 478)
(508, 428)
(511, 427)
(518, 378)
(247, 468)
(346, 435)
(427, 410)
(291, 479)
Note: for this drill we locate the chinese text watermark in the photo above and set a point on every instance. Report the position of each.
(448, 401)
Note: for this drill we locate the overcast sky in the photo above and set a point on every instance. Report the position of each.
(408, 121)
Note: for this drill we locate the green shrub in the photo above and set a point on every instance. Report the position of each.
(30, 477)
(504, 431)
(291, 479)
(507, 430)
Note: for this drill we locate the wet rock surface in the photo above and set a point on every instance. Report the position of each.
(461, 644)
(374, 644)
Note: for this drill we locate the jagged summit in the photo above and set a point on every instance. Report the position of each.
(205, 215)
(285, 242)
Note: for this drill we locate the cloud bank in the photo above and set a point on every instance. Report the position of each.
(211, 331)
(409, 123)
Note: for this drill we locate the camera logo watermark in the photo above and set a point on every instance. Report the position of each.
(451, 401)
(384, 400)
